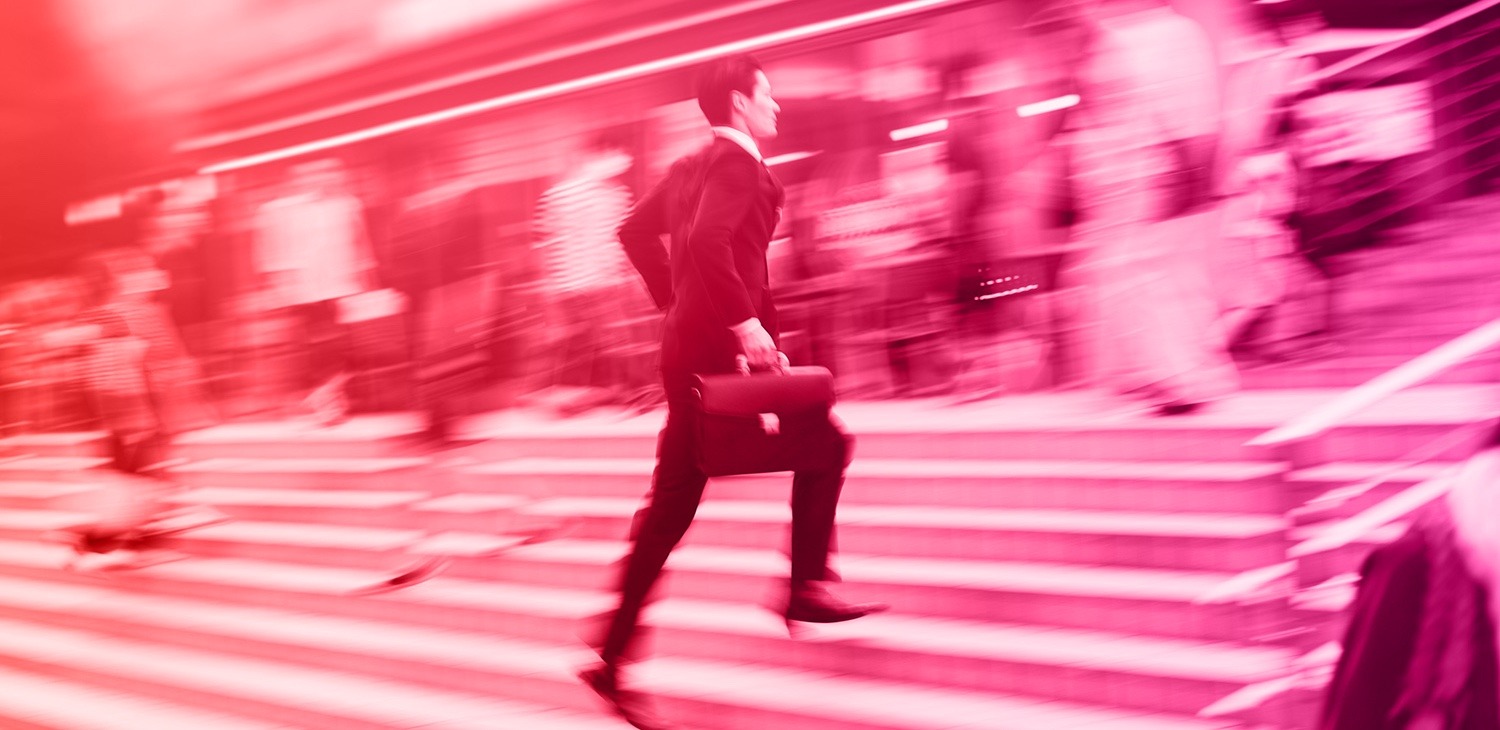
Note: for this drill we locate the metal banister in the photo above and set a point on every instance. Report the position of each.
(1420, 33)
(1351, 402)
(1355, 527)
(1329, 416)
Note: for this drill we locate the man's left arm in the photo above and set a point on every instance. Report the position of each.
(641, 234)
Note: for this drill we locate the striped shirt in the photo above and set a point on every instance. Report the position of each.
(576, 223)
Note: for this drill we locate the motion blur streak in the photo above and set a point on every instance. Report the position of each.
(580, 84)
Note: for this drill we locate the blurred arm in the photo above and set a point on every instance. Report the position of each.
(641, 234)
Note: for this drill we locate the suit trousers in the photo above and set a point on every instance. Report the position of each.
(677, 489)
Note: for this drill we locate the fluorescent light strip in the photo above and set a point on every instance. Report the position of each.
(580, 84)
(919, 130)
(788, 157)
(1050, 105)
(108, 207)
(479, 74)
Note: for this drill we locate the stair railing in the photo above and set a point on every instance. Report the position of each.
(1297, 441)
(1298, 444)
(1462, 44)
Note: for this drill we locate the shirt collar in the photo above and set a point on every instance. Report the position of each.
(739, 138)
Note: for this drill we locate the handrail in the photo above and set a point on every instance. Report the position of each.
(1339, 496)
(1312, 669)
(1321, 420)
(1352, 528)
(1419, 33)
(1247, 584)
(1357, 399)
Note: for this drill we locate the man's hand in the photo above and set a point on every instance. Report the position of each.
(756, 345)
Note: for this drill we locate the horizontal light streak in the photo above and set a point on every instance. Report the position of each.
(1047, 106)
(788, 157)
(919, 130)
(579, 84)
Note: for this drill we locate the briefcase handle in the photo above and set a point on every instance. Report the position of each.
(796, 390)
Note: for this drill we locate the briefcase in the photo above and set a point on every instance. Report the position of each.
(763, 422)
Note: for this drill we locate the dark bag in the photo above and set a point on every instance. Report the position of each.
(754, 424)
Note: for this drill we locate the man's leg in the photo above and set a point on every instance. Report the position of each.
(329, 362)
(815, 498)
(676, 489)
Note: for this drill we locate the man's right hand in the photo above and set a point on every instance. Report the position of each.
(756, 345)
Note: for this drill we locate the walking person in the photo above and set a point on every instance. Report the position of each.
(138, 393)
(311, 251)
(586, 277)
(1141, 161)
(720, 207)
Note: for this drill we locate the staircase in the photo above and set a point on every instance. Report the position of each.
(1043, 562)
(1425, 285)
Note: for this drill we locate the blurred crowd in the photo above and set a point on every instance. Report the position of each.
(1125, 220)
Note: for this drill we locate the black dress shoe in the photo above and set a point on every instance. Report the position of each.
(1178, 408)
(632, 707)
(812, 603)
(423, 570)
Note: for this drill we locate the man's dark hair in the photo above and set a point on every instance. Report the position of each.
(718, 79)
(610, 139)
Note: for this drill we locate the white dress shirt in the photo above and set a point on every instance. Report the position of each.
(748, 143)
(741, 139)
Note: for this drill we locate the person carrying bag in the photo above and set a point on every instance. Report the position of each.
(721, 207)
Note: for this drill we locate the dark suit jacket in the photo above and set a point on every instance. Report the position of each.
(437, 242)
(715, 275)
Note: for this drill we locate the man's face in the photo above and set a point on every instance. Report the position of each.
(760, 109)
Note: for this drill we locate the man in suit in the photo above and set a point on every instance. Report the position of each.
(721, 207)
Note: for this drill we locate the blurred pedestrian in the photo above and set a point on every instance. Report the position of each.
(439, 241)
(312, 250)
(134, 379)
(1142, 157)
(587, 281)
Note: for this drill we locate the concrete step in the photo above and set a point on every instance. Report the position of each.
(1060, 427)
(28, 495)
(74, 443)
(1195, 438)
(32, 524)
(363, 436)
(398, 473)
(1145, 539)
(1420, 291)
(354, 507)
(1053, 426)
(1347, 560)
(1140, 539)
(47, 468)
(707, 694)
(1243, 487)
(944, 587)
(1307, 484)
(1347, 372)
(1458, 318)
(1127, 671)
(1403, 344)
(543, 595)
(266, 691)
(1143, 600)
(31, 701)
